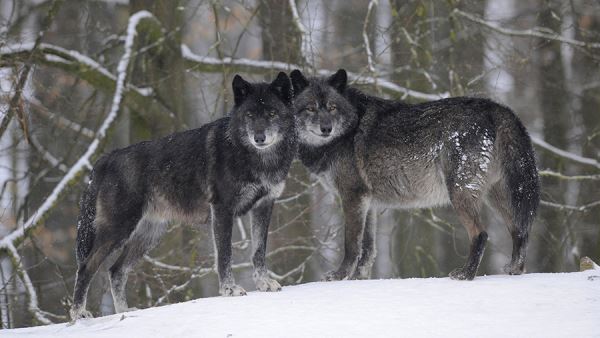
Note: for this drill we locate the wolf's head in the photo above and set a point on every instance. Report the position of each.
(322, 111)
(262, 116)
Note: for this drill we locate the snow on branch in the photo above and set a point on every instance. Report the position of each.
(47, 155)
(14, 105)
(550, 173)
(95, 74)
(565, 154)
(537, 32)
(71, 61)
(61, 122)
(210, 64)
(9, 242)
(580, 208)
(32, 305)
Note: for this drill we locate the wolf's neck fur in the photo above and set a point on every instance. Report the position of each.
(319, 158)
(364, 102)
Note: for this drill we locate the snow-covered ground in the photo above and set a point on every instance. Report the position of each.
(532, 305)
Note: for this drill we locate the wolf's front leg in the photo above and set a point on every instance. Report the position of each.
(261, 217)
(368, 253)
(355, 207)
(222, 224)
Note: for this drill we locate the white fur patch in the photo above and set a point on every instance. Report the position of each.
(312, 139)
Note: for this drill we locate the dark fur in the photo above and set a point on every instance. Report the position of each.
(379, 153)
(216, 173)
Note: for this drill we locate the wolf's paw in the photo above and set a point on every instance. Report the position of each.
(362, 272)
(79, 314)
(267, 284)
(513, 269)
(335, 275)
(461, 274)
(232, 291)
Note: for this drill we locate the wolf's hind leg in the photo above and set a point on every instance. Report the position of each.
(261, 217)
(369, 251)
(144, 238)
(467, 207)
(103, 247)
(500, 200)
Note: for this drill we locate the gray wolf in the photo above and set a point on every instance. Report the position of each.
(380, 153)
(223, 170)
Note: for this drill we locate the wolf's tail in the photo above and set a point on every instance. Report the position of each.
(519, 169)
(86, 231)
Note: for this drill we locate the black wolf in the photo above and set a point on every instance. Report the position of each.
(387, 154)
(218, 172)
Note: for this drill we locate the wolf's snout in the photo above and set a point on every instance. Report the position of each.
(326, 129)
(260, 138)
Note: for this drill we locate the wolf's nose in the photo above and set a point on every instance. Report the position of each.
(259, 138)
(326, 130)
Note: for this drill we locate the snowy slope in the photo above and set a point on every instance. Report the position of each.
(533, 305)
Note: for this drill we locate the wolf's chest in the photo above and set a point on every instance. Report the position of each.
(251, 194)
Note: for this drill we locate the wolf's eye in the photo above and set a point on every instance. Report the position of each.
(272, 113)
(249, 114)
(332, 107)
(310, 109)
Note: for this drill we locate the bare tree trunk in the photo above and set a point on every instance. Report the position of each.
(556, 124)
(280, 39)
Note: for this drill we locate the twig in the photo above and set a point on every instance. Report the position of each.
(32, 304)
(46, 155)
(60, 121)
(550, 173)
(365, 36)
(15, 101)
(305, 44)
(210, 64)
(581, 208)
(565, 154)
(74, 61)
(8, 243)
(537, 32)
(201, 272)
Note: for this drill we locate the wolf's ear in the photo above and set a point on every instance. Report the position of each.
(241, 89)
(282, 87)
(339, 80)
(299, 82)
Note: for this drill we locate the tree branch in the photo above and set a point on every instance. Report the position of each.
(537, 32)
(61, 122)
(563, 153)
(580, 208)
(32, 304)
(15, 101)
(305, 44)
(210, 64)
(365, 36)
(550, 173)
(77, 64)
(9, 242)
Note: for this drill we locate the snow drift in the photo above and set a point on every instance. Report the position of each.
(531, 305)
